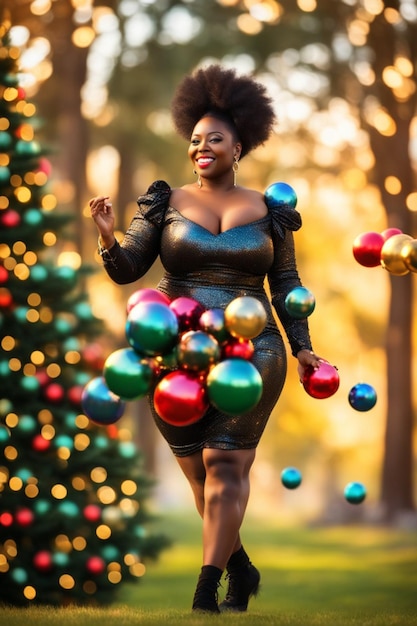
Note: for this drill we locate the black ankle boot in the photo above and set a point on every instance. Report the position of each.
(243, 582)
(205, 597)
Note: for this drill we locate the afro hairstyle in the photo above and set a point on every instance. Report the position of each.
(221, 92)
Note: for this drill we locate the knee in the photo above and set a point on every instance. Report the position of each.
(224, 477)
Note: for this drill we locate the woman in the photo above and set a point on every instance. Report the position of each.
(218, 241)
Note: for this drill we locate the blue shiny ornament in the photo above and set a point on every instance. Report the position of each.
(100, 404)
(279, 194)
(291, 477)
(355, 493)
(362, 397)
(300, 302)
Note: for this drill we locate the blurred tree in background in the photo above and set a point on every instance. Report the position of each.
(343, 75)
(73, 517)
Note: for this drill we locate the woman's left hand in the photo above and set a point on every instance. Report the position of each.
(307, 358)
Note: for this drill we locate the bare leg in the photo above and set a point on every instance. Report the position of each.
(219, 480)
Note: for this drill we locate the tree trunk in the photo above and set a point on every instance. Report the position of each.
(392, 159)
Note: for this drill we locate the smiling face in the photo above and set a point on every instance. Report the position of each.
(213, 147)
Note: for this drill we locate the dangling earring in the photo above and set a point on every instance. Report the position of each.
(198, 179)
(235, 171)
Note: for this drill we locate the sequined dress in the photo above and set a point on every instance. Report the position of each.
(214, 270)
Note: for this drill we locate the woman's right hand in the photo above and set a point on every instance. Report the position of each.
(103, 215)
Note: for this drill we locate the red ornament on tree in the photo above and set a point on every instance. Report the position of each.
(74, 394)
(54, 392)
(40, 444)
(95, 565)
(4, 275)
(238, 349)
(42, 561)
(6, 298)
(24, 517)
(92, 513)
(10, 218)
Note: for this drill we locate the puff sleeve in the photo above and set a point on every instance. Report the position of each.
(129, 260)
(283, 275)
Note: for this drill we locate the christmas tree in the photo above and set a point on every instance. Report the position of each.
(73, 520)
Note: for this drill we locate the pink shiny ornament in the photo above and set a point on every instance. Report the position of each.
(146, 295)
(10, 218)
(212, 322)
(322, 382)
(389, 232)
(180, 398)
(188, 312)
(238, 348)
(367, 249)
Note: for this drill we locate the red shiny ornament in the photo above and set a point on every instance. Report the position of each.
(95, 565)
(24, 517)
(40, 444)
(6, 519)
(238, 348)
(6, 298)
(44, 166)
(367, 249)
(21, 93)
(146, 295)
(4, 275)
(322, 382)
(42, 561)
(93, 354)
(75, 393)
(54, 392)
(390, 232)
(188, 312)
(112, 431)
(10, 218)
(42, 377)
(92, 513)
(180, 398)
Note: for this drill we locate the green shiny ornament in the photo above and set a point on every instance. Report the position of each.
(300, 302)
(27, 424)
(67, 276)
(69, 509)
(101, 442)
(27, 148)
(234, 386)
(4, 369)
(197, 351)
(72, 344)
(5, 141)
(70, 421)
(20, 314)
(24, 474)
(29, 384)
(83, 311)
(19, 575)
(63, 326)
(4, 175)
(127, 374)
(38, 273)
(81, 378)
(61, 559)
(4, 435)
(41, 506)
(152, 328)
(127, 449)
(33, 217)
(110, 553)
(64, 441)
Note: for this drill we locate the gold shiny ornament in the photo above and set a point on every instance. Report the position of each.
(409, 254)
(245, 317)
(391, 258)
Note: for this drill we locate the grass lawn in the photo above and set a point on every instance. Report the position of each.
(336, 576)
